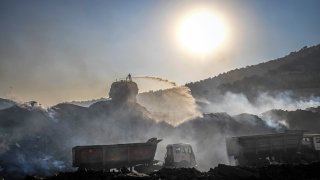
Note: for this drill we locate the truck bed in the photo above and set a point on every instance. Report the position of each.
(114, 156)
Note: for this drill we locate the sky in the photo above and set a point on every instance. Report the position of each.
(57, 51)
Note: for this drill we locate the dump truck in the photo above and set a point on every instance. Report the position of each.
(292, 146)
(137, 156)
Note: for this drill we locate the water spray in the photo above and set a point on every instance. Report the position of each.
(155, 78)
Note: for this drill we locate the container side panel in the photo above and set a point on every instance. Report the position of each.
(142, 153)
(249, 145)
(277, 143)
(89, 156)
(292, 142)
(233, 147)
(116, 155)
(263, 144)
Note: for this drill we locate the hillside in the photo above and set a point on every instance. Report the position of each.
(298, 119)
(297, 73)
(6, 103)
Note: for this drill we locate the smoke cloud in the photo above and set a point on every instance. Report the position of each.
(38, 140)
(238, 103)
(263, 106)
(41, 142)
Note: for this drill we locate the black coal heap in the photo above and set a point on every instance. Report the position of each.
(221, 172)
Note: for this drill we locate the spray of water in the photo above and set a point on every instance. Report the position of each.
(156, 79)
(174, 106)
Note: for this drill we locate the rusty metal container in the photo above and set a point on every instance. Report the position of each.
(115, 155)
(288, 141)
(292, 146)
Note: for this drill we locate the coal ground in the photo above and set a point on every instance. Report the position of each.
(221, 172)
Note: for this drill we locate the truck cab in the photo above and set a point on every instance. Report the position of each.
(312, 141)
(179, 156)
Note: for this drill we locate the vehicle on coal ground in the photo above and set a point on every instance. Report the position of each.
(179, 155)
(289, 147)
(139, 156)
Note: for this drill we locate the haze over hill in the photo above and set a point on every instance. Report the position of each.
(293, 78)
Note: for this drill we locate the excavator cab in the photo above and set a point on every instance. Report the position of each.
(179, 156)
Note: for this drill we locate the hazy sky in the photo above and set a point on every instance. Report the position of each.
(53, 51)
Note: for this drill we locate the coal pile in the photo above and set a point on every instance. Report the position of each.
(89, 174)
(221, 172)
(123, 91)
(279, 172)
(180, 173)
(37, 141)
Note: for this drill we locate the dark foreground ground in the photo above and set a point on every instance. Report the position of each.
(221, 172)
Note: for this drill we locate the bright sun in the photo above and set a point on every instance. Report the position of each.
(201, 32)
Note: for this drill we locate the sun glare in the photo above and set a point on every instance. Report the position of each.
(201, 32)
